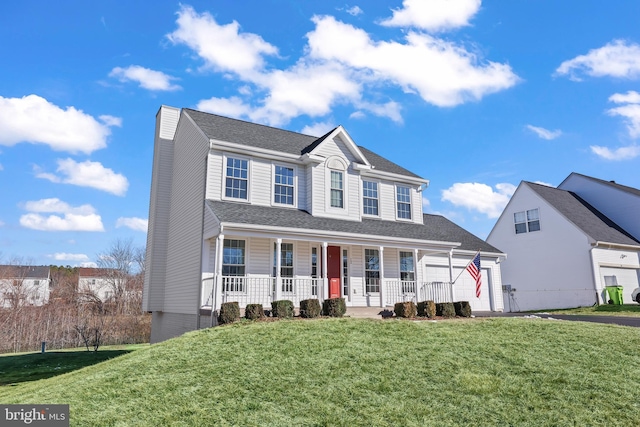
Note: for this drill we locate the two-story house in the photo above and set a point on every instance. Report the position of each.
(24, 285)
(250, 213)
(566, 244)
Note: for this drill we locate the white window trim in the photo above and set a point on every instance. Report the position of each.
(223, 191)
(379, 202)
(364, 271)
(273, 185)
(345, 185)
(526, 221)
(413, 266)
(395, 202)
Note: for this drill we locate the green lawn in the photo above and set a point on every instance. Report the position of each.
(630, 310)
(350, 372)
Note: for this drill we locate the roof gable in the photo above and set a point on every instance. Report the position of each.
(611, 184)
(592, 222)
(341, 133)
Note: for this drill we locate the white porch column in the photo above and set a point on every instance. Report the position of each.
(383, 288)
(451, 273)
(325, 280)
(217, 281)
(278, 268)
(415, 274)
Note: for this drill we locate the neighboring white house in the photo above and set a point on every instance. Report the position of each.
(562, 251)
(250, 213)
(22, 285)
(95, 283)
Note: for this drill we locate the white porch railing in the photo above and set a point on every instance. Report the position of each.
(259, 290)
(436, 292)
(400, 291)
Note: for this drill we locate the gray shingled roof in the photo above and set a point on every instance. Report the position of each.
(436, 228)
(24, 271)
(591, 221)
(269, 138)
(613, 184)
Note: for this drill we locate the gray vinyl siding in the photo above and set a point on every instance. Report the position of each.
(259, 260)
(309, 173)
(261, 182)
(186, 219)
(159, 208)
(387, 201)
(391, 263)
(214, 175)
(416, 205)
(170, 325)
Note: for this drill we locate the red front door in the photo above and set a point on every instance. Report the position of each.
(333, 271)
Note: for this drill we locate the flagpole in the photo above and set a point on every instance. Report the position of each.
(465, 267)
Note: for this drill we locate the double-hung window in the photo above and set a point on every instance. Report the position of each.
(527, 221)
(237, 178)
(403, 199)
(407, 273)
(370, 198)
(283, 186)
(337, 189)
(286, 265)
(233, 257)
(372, 270)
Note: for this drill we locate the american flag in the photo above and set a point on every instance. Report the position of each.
(474, 269)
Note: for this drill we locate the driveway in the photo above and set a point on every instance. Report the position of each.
(613, 320)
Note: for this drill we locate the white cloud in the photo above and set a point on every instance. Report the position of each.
(341, 65)
(616, 59)
(545, 133)
(480, 197)
(433, 15)
(441, 72)
(357, 115)
(222, 47)
(631, 97)
(88, 174)
(354, 11)
(229, 107)
(80, 218)
(36, 120)
(146, 78)
(426, 204)
(138, 224)
(622, 153)
(318, 129)
(61, 256)
(89, 264)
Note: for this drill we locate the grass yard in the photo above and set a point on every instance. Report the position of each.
(350, 372)
(629, 310)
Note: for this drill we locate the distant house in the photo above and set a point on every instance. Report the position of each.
(95, 283)
(563, 249)
(22, 285)
(250, 213)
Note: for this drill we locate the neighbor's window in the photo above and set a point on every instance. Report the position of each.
(237, 177)
(233, 258)
(370, 198)
(337, 190)
(403, 197)
(283, 186)
(527, 221)
(372, 270)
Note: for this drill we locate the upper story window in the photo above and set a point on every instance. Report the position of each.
(337, 189)
(403, 199)
(237, 178)
(527, 221)
(283, 189)
(370, 198)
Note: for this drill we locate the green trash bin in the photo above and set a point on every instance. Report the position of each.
(615, 294)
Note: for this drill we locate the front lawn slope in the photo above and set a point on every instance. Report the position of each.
(346, 372)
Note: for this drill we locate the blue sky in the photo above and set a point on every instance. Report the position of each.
(473, 96)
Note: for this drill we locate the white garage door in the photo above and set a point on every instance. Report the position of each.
(625, 277)
(465, 287)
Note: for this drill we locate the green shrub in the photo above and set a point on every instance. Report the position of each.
(334, 307)
(427, 309)
(463, 308)
(445, 309)
(229, 312)
(282, 309)
(254, 311)
(310, 308)
(405, 309)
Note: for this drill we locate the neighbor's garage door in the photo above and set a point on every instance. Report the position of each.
(465, 287)
(625, 277)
